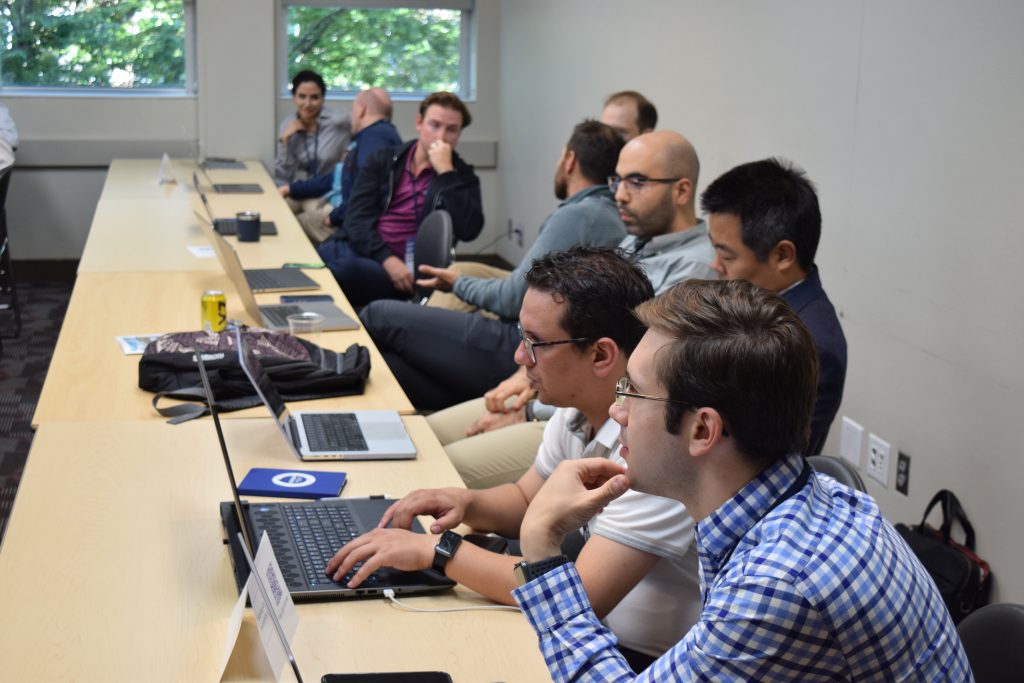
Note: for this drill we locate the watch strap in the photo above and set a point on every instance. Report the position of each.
(443, 551)
(528, 571)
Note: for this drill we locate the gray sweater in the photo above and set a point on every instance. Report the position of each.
(589, 217)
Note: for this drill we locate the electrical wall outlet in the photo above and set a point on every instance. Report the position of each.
(850, 440)
(903, 473)
(879, 451)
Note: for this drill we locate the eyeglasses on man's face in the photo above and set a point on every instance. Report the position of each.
(624, 388)
(635, 182)
(531, 345)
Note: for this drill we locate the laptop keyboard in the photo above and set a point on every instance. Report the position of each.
(262, 279)
(318, 531)
(333, 432)
(277, 315)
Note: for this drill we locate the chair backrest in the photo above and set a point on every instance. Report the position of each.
(993, 638)
(838, 469)
(433, 247)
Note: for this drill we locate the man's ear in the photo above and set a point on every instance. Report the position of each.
(682, 191)
(784, 256)
(605, 354)
(569, 161)
(706, 430)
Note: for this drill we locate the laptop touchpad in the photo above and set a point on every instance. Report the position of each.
(381, 431)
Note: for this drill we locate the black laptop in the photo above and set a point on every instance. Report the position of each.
(228, 226)
(305, 536)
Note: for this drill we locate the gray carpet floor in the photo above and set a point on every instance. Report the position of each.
(23, 364)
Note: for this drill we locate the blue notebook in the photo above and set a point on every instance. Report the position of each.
(263, 481)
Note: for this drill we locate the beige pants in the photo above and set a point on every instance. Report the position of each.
(311, 214)
(491, 458)
(449, 301)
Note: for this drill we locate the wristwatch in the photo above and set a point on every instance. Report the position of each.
(443, 551)
(528, 571)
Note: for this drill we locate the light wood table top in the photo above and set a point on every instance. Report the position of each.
(140, 226)
(114, 569)
(91, 379)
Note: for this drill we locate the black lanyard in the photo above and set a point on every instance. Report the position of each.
(312, 167)
(801, 480)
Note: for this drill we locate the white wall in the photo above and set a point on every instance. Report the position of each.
(67, 142)
(908, 117)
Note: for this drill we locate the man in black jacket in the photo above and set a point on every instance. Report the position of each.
(395, 190)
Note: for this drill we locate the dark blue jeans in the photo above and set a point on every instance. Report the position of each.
(362, 279)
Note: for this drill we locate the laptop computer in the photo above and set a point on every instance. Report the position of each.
(305, 535)
(275, 621)
(232, 188)
(316, 435)
(223, 163)
(228, 226)
(273, 316)
(259, 279)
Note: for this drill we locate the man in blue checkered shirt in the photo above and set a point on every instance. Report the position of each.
(802, 578)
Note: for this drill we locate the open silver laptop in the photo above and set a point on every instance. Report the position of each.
(315, 435)
(272, 316)
(231, 188)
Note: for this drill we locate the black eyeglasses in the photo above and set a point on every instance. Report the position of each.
(635, 183)
(531, 344)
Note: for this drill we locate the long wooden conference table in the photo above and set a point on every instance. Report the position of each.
(113, 567)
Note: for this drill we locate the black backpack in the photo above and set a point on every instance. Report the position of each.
(299, 370)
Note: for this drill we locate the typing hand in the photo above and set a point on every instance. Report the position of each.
(446, 506)
(440, 155)
(285, 190)
(575, 492)
(517, 385)
(441, 279)
(400, 275)
(397, 548)
(490, 421)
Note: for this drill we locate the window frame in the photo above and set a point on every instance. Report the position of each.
(188, 90)
(467, 44)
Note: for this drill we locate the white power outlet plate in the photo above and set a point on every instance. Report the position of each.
(879, 452)
(850, 439)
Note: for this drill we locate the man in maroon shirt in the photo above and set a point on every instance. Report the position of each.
(395, 190)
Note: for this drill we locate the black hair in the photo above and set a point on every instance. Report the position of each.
(597, 148)
(308, 76)
(774, 201)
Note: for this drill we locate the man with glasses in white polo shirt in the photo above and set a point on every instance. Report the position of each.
(638, 566)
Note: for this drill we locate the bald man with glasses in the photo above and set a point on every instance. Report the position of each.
(492, 440)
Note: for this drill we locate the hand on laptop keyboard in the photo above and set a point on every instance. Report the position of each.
(447, 506)
(395, 548)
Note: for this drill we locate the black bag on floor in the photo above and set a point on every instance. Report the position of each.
(963, 578)
(300, 370)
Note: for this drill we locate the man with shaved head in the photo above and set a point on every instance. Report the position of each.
(326, 196)
(493, 440)
(629, 113)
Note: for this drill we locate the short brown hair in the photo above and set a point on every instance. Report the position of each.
(448, 101)
(741, 350)
(646, 114)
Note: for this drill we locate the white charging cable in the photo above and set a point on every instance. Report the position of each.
(389, 593)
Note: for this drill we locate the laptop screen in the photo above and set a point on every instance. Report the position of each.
(224, 450)
(264, 387)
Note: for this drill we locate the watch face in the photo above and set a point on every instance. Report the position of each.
(447, 544)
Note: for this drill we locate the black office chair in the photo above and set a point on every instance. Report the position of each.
(8, 288)
(838, 469)
(993, 639)
(434, 247)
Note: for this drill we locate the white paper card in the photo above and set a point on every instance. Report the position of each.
(280, 602)
(135, 344)
(234, 627)
(166, 177)
(201, 250)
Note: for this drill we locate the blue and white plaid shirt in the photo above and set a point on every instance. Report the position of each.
(821, 589)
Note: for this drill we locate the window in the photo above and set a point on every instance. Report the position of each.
(405, 50)
(95, 44)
